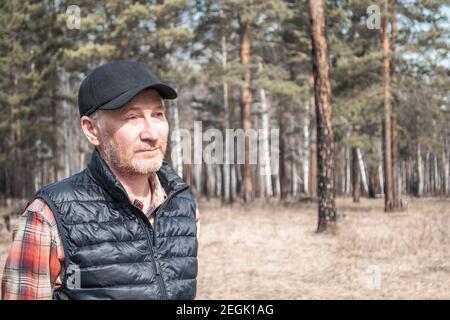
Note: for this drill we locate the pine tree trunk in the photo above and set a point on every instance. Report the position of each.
(68, 141)
(446, 171)
(19, 176)
(265, 173)
(395, 163)
(233, 183)
(313, 154)
(266, 169)
(30, 170)
(55, 125)
(340, 172)
(306, 145)
(277, 187)
(229, 168)
(218, 180)
(420, 173)
(380, 166)
(313, 172)
(397, 179)
(389, 187)
(198, 179)
(355, 176)
(374, 181)
(39, 169)
(362, 171)
(9, 167)
(348, 167)
(325, 137)
(427, 169)
(436, 180)
(11, 178)
(284, 185)
(123, 53)
(294, 179)
(188, 175)
(233, 167)
(207, 185)
(381, 178)
(408, 177)
(198, 159)
(176, 147)
(246, 101)
(226, 124)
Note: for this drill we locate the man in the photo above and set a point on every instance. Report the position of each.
(126, 226)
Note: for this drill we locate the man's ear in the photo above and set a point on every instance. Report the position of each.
(90, 130)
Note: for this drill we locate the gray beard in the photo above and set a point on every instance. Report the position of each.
(109, 154)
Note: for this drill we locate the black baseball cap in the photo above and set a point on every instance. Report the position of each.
(112, 85)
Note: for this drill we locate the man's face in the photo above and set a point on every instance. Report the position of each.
(133, 139)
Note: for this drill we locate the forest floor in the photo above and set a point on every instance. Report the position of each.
(269, 250)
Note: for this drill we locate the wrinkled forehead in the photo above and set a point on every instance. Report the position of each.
(147, 99)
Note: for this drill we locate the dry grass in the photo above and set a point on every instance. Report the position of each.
(271, 251)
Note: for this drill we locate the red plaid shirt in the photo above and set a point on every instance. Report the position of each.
(35, 264)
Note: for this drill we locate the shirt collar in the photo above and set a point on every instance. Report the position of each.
(158, 194)
(162, 182)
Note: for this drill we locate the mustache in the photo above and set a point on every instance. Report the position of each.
(160, 148)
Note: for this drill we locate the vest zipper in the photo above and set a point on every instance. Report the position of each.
(145, 225)
(155, 249)
(152, 242)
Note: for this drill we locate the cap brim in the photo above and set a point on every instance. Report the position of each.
(164, 91)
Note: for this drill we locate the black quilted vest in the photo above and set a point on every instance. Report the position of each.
(111, 250)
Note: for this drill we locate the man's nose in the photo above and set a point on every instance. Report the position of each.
(150, 131)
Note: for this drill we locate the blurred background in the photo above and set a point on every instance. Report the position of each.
(249, 64)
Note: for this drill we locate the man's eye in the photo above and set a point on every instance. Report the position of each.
(132, 117)
(159, 114)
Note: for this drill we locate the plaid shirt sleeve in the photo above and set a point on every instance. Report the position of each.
(34, 264)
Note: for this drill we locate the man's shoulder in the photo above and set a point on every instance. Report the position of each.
(37, 205)
(79, 186)
(39, 208)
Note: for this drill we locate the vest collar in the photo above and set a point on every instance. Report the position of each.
(104, 177)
